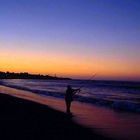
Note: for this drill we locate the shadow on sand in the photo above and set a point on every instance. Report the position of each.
(26, 120)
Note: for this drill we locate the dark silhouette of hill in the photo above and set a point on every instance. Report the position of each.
(25, 75)
(26, 120)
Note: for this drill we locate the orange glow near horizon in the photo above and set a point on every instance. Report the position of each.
(68, 66)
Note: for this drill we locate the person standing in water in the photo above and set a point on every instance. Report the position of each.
(69, 97)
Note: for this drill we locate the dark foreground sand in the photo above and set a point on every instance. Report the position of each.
(101, 121)
(27, 120)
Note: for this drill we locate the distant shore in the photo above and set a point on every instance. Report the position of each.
(26, 75)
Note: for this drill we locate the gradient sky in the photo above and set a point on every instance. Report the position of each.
(73, 38)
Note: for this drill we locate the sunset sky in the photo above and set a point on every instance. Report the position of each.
(71, 38)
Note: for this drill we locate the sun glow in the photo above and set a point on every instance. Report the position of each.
(65, 65)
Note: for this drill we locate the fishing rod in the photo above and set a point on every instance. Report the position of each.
(91, 78)
(88, 81)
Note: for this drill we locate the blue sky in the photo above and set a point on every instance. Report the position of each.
(102, 28)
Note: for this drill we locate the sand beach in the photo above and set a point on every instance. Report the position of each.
(98, 122)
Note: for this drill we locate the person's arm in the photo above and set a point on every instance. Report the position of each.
(76, 90)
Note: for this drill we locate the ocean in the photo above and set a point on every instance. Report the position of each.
(118, 95)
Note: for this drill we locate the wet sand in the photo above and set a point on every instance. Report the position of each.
(22, 119)
(102, 121)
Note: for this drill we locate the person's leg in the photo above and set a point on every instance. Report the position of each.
(68, 104)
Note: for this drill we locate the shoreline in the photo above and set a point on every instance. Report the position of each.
(101, 120)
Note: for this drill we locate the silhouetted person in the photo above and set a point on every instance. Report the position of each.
(69, 97)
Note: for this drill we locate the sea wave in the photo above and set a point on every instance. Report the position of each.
(122, 105)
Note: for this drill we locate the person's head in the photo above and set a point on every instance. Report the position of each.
(68, 87)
